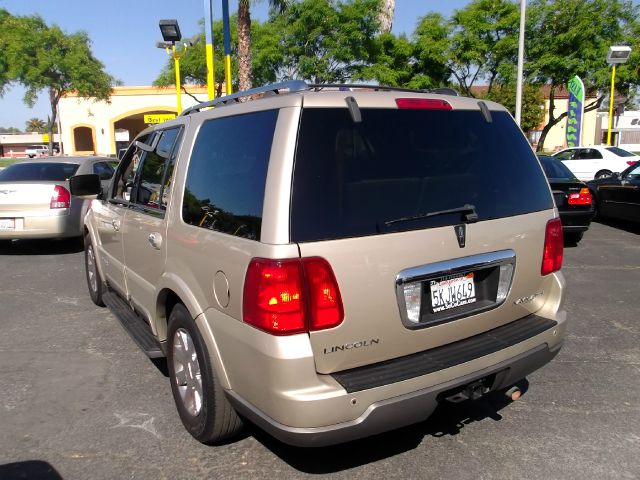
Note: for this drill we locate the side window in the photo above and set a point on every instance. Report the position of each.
(566, 155)
(125, 173)
(227, 173)
(103, 170)
(154, 176)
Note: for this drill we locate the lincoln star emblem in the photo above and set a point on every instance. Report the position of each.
(461, 234)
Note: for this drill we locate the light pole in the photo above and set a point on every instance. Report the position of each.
(523, 8)
(616, 55)
(171, 34)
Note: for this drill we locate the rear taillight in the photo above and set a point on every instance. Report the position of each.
(553, 247)
(61, 197)
(423, 104)
(290, 296)
(580, 198)
(631, 162)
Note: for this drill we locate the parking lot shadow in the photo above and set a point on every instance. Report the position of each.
(41, 247)
(448, 419)
(630, 227)
(29, 470)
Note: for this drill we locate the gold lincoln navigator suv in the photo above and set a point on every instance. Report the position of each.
(329, 261)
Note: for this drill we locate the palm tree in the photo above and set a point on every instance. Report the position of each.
(36, 125)
(244, 39)
(385, 17)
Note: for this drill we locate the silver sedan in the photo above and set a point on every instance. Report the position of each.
(34, 196)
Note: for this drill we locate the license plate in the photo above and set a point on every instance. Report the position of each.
(7, 224)
(451, 292)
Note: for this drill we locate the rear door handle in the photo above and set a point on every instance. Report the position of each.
(155, 239)
(115, 224)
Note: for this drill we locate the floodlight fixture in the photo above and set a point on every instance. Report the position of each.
(618, 54)
(170, 30)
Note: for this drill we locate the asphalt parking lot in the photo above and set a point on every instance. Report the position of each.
(79, 401)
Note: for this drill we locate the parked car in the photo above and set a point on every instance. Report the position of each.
(330, 264)
(618, 196)
(572, 197)
(33, 151)
(597, 161)
(34, 196)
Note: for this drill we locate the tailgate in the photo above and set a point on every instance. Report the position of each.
(501, 262)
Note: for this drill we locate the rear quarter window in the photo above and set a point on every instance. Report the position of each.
(227, 172)
(351, 179)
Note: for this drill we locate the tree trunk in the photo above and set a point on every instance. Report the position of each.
(387, 8)
(244, 45)
(53, 100)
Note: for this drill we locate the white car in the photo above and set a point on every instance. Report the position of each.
(596, 161)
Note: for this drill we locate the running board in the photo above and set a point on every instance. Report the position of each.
(137, 328)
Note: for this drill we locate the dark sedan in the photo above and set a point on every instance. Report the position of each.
(618, 196)
(572, 197)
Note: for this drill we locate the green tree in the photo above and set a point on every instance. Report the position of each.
(10, 130)
(484, 43)
(45, 58)
(532, 103)
(324, 41)
(4, 65)
(36, 125)
(571, 37)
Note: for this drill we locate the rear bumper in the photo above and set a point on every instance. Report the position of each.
(398, 411)
(288, 403)
(55, 224)
(576, 221)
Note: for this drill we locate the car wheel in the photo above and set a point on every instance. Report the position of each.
(203, 407)
(94, 281)
(573, 238)
(603, 174)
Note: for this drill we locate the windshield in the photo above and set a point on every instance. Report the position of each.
(354, 179)
(620, 152)
(38, 171)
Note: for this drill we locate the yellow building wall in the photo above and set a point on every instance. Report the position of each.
(125, 101)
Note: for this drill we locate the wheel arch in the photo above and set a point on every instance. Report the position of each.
(601, 171)
(172, 291)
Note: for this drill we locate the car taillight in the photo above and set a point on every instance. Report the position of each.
(553, 247)
(61, 197)
(631, 162)
(580, 198)
(423, 104)
(285, 297)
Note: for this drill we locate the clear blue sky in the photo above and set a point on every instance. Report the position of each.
(124, 35)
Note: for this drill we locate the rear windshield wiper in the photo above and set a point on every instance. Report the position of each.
(469, 210)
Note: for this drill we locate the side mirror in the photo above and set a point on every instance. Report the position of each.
(85, 185)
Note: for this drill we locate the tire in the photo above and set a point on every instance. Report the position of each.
(95, 283)
(573, 238)
(603, 174)
(202, 405)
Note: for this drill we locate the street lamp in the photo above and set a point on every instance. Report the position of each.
(617, 54)
(171, 34)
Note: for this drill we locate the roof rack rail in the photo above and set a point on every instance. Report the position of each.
(291, 85)
(345, 86)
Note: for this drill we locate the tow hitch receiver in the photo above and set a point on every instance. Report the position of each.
(473, 391)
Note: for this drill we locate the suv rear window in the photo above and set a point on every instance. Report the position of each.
(350, 179)
(48, 172)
